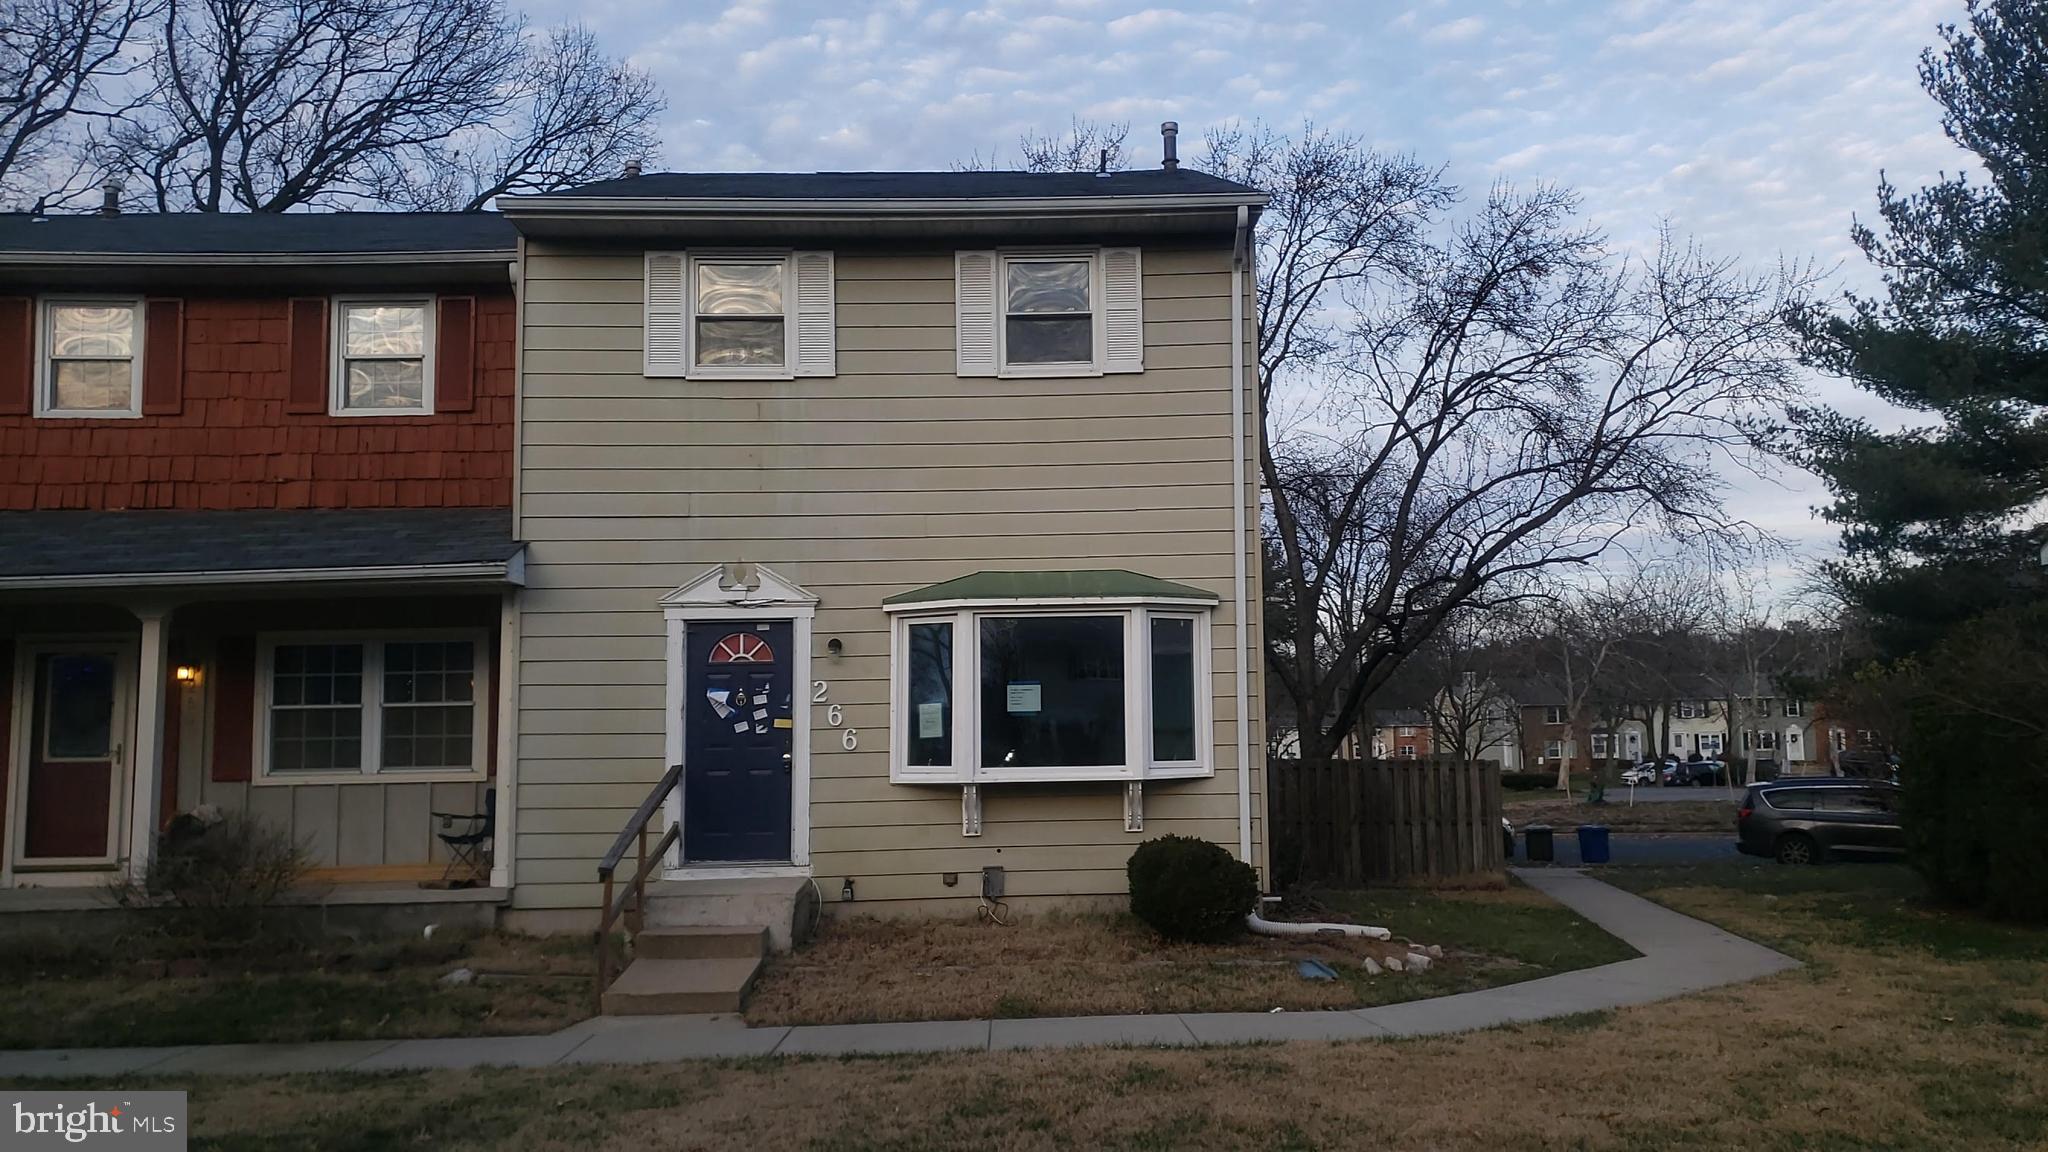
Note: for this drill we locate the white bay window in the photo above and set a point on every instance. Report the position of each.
(1008, 690)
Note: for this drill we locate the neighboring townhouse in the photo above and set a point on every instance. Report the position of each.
(912, 513)
(255, 533)
(1402, 734)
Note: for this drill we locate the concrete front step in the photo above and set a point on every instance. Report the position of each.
(784, 905)
(657, 987)
(700, 943)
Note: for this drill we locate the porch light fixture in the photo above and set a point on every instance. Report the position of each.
(846, 890)
(186, 675)
(835, 647)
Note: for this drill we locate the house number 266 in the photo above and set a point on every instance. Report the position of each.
(849, 738)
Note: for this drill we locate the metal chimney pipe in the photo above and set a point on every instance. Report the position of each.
(110, 197)
(1167, 132)
(632, 169)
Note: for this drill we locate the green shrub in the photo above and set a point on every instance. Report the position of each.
(1189, 889)
(1528, 781)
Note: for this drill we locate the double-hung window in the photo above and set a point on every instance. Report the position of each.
(1049, 311)
(1043, 692)
(1554, 714)
(739, 309)
(740, 314)
(354, 706)
(383, 357)
(92, 358)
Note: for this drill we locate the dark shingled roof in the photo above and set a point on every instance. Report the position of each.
(1098, 584)
(907, 185)
(257, 234)
(73, 544)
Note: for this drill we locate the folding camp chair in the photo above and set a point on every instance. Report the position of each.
(469, 837)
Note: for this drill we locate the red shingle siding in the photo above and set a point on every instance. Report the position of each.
(234, 445)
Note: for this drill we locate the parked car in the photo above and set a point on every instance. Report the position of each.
(1649, 772)
(1695, 773)
(1804, 821)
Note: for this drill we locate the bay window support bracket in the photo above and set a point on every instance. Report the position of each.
(970, 809)
(1134, 807)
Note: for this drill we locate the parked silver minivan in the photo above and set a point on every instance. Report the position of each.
(1804, 821)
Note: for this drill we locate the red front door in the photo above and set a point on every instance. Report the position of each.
(74, 757)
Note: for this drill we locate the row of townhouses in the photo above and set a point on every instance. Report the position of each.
(911, 514)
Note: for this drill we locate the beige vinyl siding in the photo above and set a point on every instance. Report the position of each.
(893, 474)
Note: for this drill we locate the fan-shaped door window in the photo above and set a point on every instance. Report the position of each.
(742, 648)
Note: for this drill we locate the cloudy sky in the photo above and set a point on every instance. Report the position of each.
(1756, 126)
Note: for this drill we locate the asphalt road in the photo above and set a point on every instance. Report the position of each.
(1656, 794)
(1644, 848)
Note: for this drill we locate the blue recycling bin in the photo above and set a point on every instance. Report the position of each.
(1593, 844)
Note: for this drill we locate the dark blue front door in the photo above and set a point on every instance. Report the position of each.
(738, 726)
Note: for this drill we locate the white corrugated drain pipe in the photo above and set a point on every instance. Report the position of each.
(1265, 927)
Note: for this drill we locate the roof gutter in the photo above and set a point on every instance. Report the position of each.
(294, 259)
(511, 571)
(728, 208)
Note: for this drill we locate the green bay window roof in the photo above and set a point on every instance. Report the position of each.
(1095, 584)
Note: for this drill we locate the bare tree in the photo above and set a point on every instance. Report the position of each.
(574, 115)
(1086, 146)
(62, 62)
(267, 105)
(1513, 406)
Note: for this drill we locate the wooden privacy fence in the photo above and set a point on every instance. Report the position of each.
(1383, 821)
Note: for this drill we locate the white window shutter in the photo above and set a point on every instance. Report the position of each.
(974, 311)
(667, 324)
(816, 338)
(1123, 311)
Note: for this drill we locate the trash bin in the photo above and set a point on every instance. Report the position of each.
(1536, 842)
(1593, 844)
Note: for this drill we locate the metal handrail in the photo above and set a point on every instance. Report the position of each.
(632, 903)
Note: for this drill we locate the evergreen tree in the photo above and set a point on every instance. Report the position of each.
(1936, 519)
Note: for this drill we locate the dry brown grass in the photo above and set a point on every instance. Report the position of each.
(377, 990)
(860, 970)
(1910, 1046)
(1680, 816)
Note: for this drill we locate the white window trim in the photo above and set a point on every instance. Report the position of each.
(338, 358)
(1138, 764)
(786, 258)
(45, 379)
(372, 771)
(1098, 313)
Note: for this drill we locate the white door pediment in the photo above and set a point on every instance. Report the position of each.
(738, 585)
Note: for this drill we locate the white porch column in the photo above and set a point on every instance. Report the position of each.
(503, 844)
(146, 765)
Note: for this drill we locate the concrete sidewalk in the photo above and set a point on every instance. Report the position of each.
(1679, 955)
